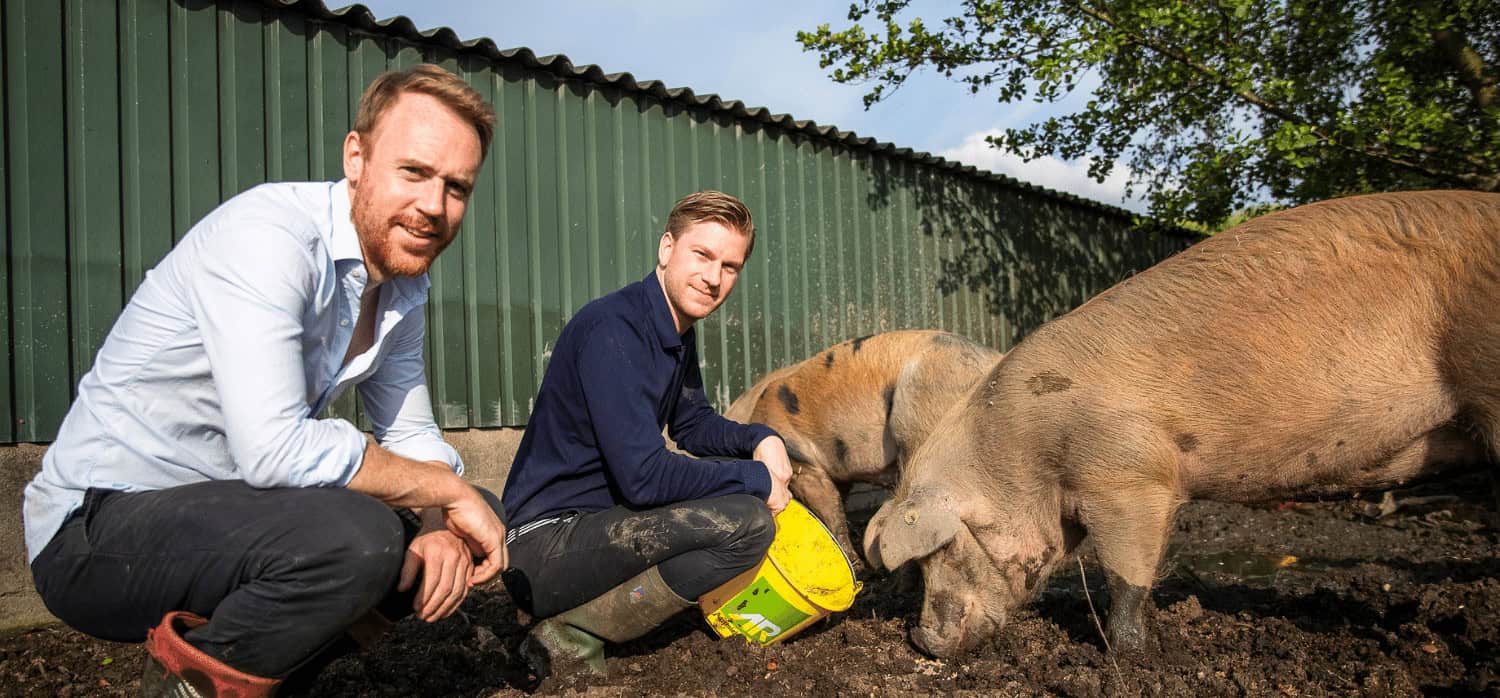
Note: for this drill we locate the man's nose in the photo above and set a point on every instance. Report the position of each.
(432, 200)
(713, 274)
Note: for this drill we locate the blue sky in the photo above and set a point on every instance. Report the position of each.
(748, 51)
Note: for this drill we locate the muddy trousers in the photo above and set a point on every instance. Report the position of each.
(698, 544)
(280, 573)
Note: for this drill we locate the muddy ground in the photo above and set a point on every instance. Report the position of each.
(1307, 599)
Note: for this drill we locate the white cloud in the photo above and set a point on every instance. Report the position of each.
(1048, 171)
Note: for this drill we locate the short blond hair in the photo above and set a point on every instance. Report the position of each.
(716, 206)
(432, 80)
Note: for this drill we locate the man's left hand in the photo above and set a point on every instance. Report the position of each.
(444, 563)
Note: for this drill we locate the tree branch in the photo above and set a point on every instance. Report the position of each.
(1470, 65)
(1256, 100)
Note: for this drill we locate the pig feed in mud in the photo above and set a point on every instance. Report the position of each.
(855, 411)
(1342, 346)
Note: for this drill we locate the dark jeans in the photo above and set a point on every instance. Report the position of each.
(280, 573)
(699, 545)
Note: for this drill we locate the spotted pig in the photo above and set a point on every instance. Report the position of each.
(853, 412)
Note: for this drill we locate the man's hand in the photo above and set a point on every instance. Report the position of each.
(401, 482)
(445, 565)
(772, 451)
(472, 519)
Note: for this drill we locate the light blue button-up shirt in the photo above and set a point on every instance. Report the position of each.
(229, 349)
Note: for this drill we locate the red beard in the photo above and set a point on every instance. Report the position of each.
(380, 240)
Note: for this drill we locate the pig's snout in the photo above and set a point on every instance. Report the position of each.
(953, 636)
(935, 643)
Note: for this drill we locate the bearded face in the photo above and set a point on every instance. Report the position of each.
(409, 181)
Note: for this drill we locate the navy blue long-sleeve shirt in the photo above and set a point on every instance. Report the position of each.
(619, 373)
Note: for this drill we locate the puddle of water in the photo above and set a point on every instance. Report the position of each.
(1251, 567)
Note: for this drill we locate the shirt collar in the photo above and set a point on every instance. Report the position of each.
(661, 313)
(345, 243)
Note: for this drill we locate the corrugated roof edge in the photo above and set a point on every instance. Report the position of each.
(361, 17)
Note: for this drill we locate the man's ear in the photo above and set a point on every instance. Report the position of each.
(664, 250)
(354, 157)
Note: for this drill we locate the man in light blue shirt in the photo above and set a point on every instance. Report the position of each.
(194, 500)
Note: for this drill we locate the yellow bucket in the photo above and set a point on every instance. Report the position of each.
(804, 577)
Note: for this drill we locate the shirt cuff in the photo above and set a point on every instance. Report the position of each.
(754, 434)
(756, 477)
(337, 456)
(428, 450)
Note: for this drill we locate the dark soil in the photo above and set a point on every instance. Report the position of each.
(1398, 605)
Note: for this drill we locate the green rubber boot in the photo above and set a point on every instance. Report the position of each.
(574, 639)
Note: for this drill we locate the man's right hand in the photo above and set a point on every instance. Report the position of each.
(472, 519)
(779, 496)
(772, 452)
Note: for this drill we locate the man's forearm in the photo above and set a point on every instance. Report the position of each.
(404, 482)
(441, 494)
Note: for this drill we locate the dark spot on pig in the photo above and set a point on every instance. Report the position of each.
(889, 395)
(1187, 443)
(788, 399)
(944, 607)
(1033, 567)
(1048, 382)
(828, 359)
(1242, 476)
(841, 449)
(1312, 459)
(1034, 574)
(1340, 443)
(794, 450)
(860, 340)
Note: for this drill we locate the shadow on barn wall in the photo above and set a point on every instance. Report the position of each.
(1032, 256)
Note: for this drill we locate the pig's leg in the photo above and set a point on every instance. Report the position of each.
(815, 489)
(1129, 526)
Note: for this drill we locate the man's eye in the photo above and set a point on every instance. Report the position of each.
(458, 191)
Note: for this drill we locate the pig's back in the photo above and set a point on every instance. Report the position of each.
(1293, 347)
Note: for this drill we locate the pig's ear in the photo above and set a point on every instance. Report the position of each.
(872, 533)
(909, 529)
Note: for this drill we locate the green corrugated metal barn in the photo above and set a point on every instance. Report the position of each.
(126, 121)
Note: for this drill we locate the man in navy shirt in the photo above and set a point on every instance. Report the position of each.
(611, 533)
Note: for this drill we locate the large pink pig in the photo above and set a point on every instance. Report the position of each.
(1347, 345)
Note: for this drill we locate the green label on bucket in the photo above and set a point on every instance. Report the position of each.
(759, 613)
